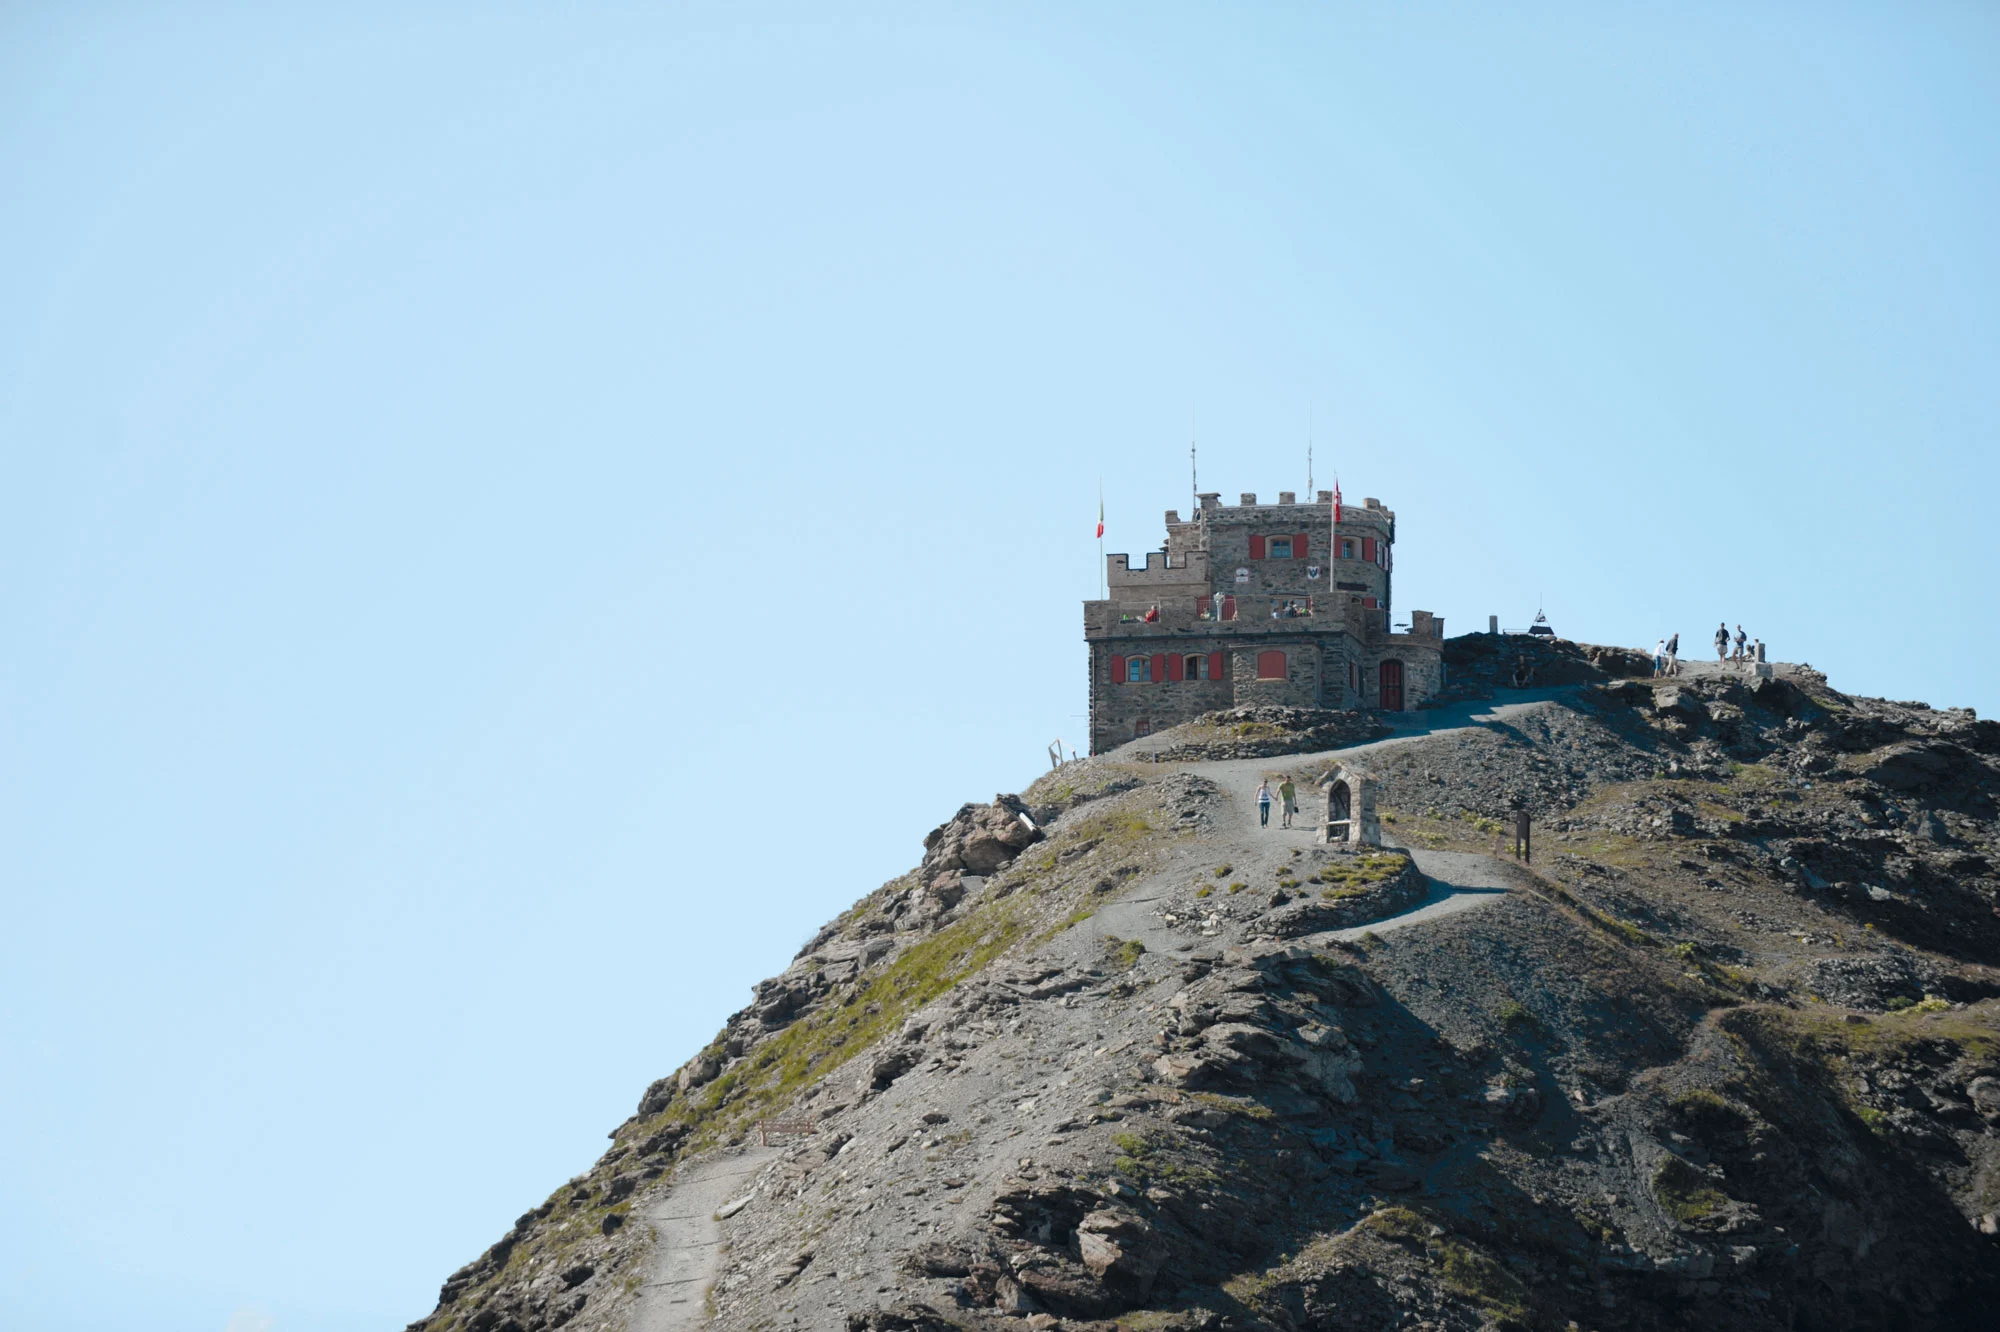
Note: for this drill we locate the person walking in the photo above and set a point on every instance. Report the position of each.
(1659, 658)
(1290, 795)
(1741, 640)
(1674, 654)
(1264, 803)
(1722, 642)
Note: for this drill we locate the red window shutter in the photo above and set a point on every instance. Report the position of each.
(1300, 544)
(1369, 602)
(1174, 665)
(1215, 665)
(1368, 548)
(1270, 665)
(1256, 548)
(1118, 670)
(1159, 667)
(1229, 608)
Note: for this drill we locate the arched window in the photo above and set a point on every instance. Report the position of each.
(1192, 668)
(1271, 665)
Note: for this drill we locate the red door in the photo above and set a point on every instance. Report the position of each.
(1229, 608)
(1392, 686)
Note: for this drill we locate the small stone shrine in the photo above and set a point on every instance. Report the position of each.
(1350, 809)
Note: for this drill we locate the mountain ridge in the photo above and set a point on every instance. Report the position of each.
(1727, 1052)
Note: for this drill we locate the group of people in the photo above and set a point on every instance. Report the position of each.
(1289, 610)
(1288, 795)
(1739, 649)
(1667, 656)
(1736, 648)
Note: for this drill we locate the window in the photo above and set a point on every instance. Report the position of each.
(1191, 667)
(1271, 665)
(1281, 548)
(1347, 548)
(1135, 670)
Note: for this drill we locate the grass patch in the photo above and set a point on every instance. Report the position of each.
(1222, 871)
(1476, 1278)
(1204, 890)
(1238, 886)
(1515, 1015)
(1234, 1105)
(1123, 953)
(1685, 1192)
(1706, 1113)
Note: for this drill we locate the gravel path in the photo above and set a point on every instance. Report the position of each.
(1459, 881)
(687, 1246)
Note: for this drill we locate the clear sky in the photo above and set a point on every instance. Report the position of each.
(510, 516)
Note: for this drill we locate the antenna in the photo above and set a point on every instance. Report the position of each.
(1194, 480)
(1309, 454)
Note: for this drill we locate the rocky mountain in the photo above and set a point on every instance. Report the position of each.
(1725, 1054)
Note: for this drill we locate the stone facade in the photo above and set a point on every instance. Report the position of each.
(1202, 625)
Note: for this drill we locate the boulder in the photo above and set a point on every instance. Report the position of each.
(1676, 701)
(1119, 1245)
(1912, 767)
(698, 1071)
(980, 838)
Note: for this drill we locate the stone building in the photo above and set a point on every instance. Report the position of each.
(1251, 604)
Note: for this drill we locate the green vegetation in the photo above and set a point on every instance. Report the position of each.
(1123, 953)
(1203, 891)
(1706, 1113)
(1876, 1120)
(1398, 1225)
(1222, 871)
(1149, 1161)
(1363, 873)
(1474, 1277)
(1514, 1014)
(1685, 1192)
(1235, 1105)
(1238, 886)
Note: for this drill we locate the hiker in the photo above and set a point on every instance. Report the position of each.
(1741, 639)
(1290, 795)
(1674, 654)
(1264, 803)
(1722, 642)
(1521, 847)
(1659, 658)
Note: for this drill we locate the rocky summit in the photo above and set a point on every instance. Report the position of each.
(1723, 1054)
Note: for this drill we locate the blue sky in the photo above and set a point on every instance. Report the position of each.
(511, 516)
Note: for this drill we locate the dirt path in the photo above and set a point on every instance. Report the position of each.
(687, 1246)
(1459, 881)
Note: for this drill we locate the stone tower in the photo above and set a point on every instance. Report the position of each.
(1255, 603)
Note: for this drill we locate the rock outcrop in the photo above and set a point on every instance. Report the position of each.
(1726, 1055)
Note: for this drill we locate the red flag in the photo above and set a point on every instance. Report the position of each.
(1336, 501)
(1100, 516)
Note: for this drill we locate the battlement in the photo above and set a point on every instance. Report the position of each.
(1162, 571)
(1255, 603)
(1369, 514)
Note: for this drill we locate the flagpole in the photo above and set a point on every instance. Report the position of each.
(1103, 593)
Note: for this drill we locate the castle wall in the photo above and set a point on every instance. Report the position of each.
(1331, 658)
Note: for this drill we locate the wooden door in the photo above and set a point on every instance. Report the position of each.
(1392, 686)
